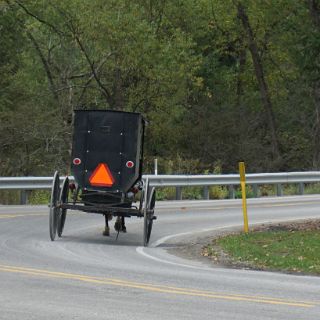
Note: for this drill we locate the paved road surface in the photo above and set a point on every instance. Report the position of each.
(84, 275)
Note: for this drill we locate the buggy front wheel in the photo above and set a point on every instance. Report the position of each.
(54, 206)
(63, 200)
(149, 216)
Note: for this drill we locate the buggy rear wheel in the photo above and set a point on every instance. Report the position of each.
(54, 206)
(63, 200)
(149, 216)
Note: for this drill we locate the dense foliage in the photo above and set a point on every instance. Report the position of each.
(219, 81)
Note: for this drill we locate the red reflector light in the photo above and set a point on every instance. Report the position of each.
(130, 164)
(101, 176)
(72, 186)
(76, 161)
(134, 190)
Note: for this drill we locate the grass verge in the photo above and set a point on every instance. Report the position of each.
(293, 247)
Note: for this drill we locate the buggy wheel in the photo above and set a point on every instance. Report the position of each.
(63, 212)
(54, 206)
(149, 216)
(141, 202)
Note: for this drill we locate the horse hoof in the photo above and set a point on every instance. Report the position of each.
(106, 232)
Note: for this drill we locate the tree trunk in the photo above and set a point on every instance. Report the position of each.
(46, 67)
(314, 11)
(240, 107)
(263, 86)
(117, 97)
(316, 135)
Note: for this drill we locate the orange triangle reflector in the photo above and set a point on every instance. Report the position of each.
(101, 176)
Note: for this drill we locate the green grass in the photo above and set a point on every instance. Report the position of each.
(166, 193)
(39, 197)
(297, 251)
(312, 188)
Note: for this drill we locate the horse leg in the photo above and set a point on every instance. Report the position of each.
(117, 225)
(123, 225)
(106, 231)
(120, 224)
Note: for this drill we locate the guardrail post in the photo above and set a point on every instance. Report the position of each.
(301, 188)
(156, 167)
(231, 192)
(279, 190)
(24, 196)
(206, 193)
(242, 172)
(255, 190)
(178, 193)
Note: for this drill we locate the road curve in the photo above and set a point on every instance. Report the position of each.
(84, 275)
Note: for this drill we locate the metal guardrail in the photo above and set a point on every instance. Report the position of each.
(26, 184)
(233, 179)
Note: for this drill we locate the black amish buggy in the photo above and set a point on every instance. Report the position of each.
(106, 164)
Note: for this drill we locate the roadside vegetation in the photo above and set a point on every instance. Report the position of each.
(218, 81)
(291, 247)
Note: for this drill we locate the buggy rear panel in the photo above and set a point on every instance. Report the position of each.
(107, 143)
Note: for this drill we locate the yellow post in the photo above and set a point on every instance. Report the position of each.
(242, 171)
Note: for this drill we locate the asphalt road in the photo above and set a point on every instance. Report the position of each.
(84, 275)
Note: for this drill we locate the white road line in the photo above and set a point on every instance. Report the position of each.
(142, 250)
